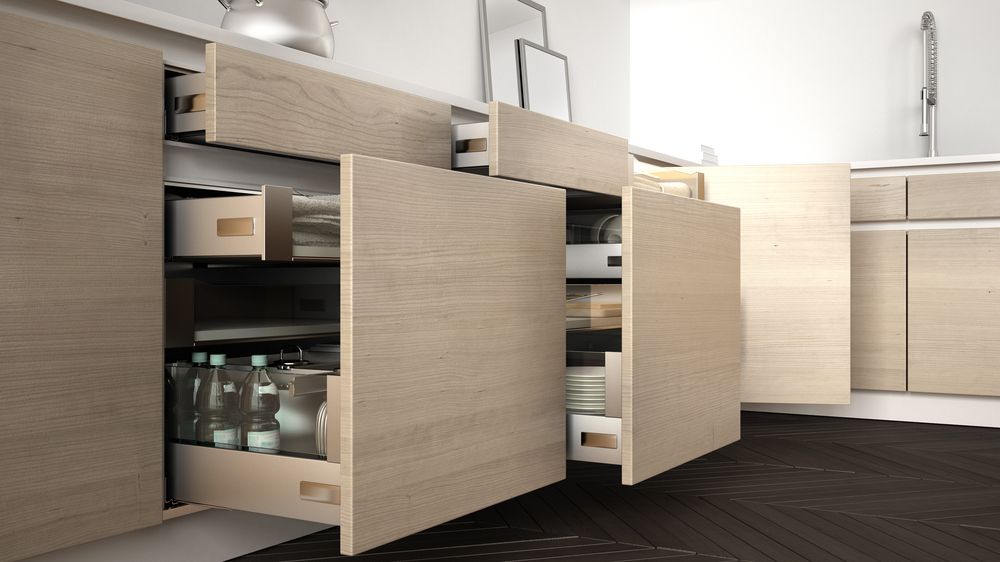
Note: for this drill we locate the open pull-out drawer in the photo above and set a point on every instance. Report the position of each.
(274, 225)
(252, 101)
(452, 359)
(301, 480)
(679, 340)
(524, 145)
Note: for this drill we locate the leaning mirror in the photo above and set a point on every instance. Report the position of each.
(502, 23)
(544, 80)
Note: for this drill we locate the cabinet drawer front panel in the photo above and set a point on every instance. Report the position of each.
(878, 310)
(796, 278)
(681, 330)
(878, 199)
(453, 345)
(254, 101)
(81, 276)
(529, 146)
(954, 337)
(954, 196)
(299, 488)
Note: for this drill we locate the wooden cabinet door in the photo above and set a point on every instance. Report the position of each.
(262, 103)
(953, 307)
(681, 330)
(878, 310)
(796, 278)
(81, 280)
(453, 345)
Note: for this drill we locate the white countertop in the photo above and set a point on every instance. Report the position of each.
(926, 161)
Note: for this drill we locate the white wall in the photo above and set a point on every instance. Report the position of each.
(435, 43)
(787, 81)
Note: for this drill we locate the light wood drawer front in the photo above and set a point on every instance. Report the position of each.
(453, 345)
(954, 196)
(878, 310)
(258, 102)
(954, 306)
(81, 277)
(878, 199)
(300, 488)
(680, 330)
(529, 146)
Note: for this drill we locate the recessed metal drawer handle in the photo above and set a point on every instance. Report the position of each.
(614, 261)
(599, 440)
(242, 226)
(470, 145)
(189, 104)
(319, 493)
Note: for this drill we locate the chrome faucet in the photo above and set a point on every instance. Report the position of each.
(928, 94)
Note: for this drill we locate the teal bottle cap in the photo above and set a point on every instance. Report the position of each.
(199, 357)
(258, 360)
(217, 359)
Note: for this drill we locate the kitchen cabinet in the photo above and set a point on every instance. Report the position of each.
(81, 266)
(672, 372)
(680, 330)
(953, 302)
(247, 100)
(796, 278)
(450, 395)
(451, 314)
(954, 196)
(878, 310)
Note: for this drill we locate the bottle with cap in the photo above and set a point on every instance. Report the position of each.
(186, 386)
(259, 403)
(217, 406)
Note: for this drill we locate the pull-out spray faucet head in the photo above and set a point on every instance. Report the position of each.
(928, 94)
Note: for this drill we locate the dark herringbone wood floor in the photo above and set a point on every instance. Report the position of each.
(795, 488)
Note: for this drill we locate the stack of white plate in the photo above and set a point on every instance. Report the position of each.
(585, 390)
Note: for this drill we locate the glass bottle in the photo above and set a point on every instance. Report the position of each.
(169, 403)
(217, 407)
(187, 393)
(259, 403)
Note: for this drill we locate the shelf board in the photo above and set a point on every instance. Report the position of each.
(238, 330)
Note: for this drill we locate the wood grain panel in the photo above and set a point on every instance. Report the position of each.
(259, 102)
(954, 304)
(452, 300)
(796, 278)
(954, 196)
(878, 310)
(529, 146)
(878, 199)
(81, 259)
(681, 330)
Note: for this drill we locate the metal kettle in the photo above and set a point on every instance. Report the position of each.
(299, 24)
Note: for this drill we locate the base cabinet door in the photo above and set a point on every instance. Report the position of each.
(81, 275)
(953, 306)
(680, 330)
(796, 278)
(878, 310)
(453, 346)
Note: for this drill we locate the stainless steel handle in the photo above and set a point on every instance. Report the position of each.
(924, 110)
(334, 23)
(225, 4)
